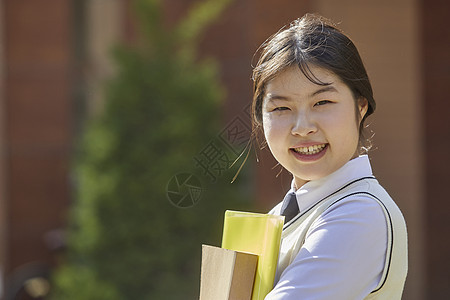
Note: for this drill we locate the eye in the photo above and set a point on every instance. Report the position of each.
(322, 102)
(281, 108)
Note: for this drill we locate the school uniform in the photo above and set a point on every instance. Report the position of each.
(349, 240)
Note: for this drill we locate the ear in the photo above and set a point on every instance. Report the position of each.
(363, 106)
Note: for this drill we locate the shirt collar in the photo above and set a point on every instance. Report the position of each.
(313, 191)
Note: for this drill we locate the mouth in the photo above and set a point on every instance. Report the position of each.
(311, 153)
(311, 150)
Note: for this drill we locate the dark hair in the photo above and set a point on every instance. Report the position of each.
(312, 40)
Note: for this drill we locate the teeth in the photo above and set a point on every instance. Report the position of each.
(310, 150)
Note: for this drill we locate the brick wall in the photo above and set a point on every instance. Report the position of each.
(37, 124)
(436, 108)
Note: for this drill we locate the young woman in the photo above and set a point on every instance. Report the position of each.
(344, 237)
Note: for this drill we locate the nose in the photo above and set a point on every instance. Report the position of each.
(303, 125)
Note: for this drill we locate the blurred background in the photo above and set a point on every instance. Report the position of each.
(120, 120)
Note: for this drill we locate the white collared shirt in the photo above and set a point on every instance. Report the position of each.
(344, 251)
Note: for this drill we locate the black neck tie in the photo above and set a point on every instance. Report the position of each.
(289, 209)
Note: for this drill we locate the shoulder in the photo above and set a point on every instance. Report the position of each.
(357, 212)
(356, 204)
(365, 198)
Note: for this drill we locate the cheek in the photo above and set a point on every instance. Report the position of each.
(348, 133)
(267, 126)
(347, 117)
(272, 128)
(341, 128)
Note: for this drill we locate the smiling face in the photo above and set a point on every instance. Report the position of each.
(312, 130)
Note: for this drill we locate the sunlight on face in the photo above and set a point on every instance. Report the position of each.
(312, 130)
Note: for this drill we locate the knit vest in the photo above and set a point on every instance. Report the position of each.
(396, 264)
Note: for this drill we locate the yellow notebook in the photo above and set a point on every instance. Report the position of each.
(259, 234)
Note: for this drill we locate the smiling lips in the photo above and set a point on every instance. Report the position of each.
(311, 150)
(309, 153)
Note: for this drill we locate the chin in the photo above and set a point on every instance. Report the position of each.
(310, 174)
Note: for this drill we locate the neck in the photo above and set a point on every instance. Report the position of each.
(298, 182)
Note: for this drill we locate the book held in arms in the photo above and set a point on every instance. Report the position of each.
(226, 274)
(259, 234)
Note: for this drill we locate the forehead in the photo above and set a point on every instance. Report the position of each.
(293, 79)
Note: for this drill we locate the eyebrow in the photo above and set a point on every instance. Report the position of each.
(324, 89)
(327, 88)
